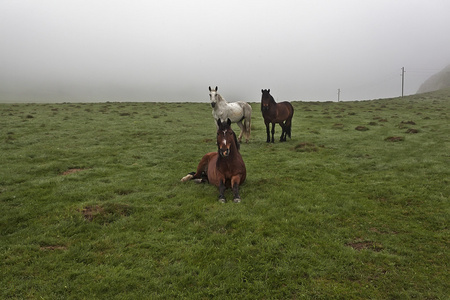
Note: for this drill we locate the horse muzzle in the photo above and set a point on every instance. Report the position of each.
(213, 104)
(224, 152)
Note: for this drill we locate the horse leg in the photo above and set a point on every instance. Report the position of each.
(268, 132)
(222, 189)
(242, 130)
(247, 127)
(235, 184)
(200, 175)
(273, 132)
(188, 177)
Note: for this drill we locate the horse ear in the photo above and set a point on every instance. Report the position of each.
(210, 89)
(229, 122)
(216, 88)
(262, 91)
(268, 90)
(219, 122)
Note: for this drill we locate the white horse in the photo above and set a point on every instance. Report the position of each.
(238, 112)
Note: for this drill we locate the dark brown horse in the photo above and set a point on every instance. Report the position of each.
(224, 168)
(280, 113)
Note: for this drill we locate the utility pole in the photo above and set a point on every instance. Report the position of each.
(339, 94)
(403, 79)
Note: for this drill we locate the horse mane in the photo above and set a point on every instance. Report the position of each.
(220, 98)
(272, 100)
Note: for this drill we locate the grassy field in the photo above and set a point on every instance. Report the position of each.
(354, 206)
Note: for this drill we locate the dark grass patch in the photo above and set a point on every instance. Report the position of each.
(404, 124)
(360, 245)
(53, 247)
(361, 128)
(124, 192)
(411, 130)
(105, 213)
(338, 126)
(408, 122)
(394, 139)
(306, 147)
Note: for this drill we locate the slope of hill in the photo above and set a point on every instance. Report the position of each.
(436, 82)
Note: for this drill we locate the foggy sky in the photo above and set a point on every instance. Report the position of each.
(110, 50)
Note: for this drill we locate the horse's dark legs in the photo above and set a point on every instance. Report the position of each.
(268, 132)
(237, 198)
(222, 188)
(273, 131)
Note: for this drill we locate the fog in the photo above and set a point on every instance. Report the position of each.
(109, 50)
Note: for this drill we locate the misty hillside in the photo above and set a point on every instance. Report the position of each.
(436, 82)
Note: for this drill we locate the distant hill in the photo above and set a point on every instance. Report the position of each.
(436, 82)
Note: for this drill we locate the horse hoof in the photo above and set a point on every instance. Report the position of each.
(222, 200)
(237, 200)
(187, 178)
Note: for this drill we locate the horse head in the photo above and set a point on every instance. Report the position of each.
(266, 99)
(226, 138)
(213, 96)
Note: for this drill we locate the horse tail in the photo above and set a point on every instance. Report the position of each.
(288, 129)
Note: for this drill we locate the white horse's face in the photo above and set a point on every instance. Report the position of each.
(213, 96)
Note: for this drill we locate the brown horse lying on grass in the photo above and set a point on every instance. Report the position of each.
(224, 168)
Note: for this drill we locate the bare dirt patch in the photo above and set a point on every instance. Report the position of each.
(105, 214)
(395, 139)
(90, 212)
(408, 122)
(411, 130)
(361, 128)
(365, 245)
(53, 247)
(306, 147)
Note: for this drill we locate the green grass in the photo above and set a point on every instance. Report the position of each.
(93, 206)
